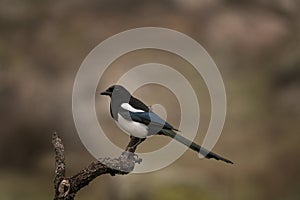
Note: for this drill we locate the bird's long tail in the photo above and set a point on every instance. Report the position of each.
(194, 146)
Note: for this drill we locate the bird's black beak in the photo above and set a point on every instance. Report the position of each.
(105, 93)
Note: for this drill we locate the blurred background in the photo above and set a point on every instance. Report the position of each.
(255, 44)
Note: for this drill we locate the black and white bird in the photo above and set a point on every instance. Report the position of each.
(137, 120)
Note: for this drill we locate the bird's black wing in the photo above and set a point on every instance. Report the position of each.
(138, 104)
(148, 117)
(154, 122)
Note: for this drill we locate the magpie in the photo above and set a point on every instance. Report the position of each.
(138, 121)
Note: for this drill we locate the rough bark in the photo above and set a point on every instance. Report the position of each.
(67, 187)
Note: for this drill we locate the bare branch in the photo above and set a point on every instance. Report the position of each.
(66, 188)
(60, 170)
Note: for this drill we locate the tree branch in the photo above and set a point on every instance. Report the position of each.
(67, 187)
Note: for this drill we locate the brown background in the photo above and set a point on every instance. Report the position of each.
(255, 45)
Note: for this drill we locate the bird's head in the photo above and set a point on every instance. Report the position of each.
(116, 90)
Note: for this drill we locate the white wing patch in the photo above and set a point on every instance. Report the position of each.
(128, 107)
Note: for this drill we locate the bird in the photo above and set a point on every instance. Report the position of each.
(140, 122)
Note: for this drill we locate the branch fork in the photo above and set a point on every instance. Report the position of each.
(67, 187)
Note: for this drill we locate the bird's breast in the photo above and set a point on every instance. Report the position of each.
(132, 128)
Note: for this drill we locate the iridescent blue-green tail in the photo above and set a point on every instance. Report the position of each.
(206, 153)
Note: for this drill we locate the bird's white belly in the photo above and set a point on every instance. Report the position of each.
(135, 129)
